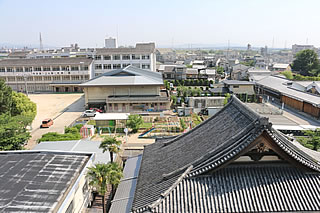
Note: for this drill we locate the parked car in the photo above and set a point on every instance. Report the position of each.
(46, 123)
(89, 113)
(97, 110)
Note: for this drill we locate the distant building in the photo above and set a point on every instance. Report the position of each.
(297, 48)
(239, 72)
(142, 56)
(44, 181)
(110, 43)
(128, 89)
(46, 74)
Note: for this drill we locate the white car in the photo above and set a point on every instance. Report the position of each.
(89, 113)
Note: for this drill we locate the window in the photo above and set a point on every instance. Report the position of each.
(9, 69)
(70, 208)
(136, 65)
(116, 57)
(19, 69)
(75, 77)
(66, 68)
(2, 69)
(145, 56)
(125, 65)
(117, 66)
(96, 74)
(135, 57)
(85, 68)
(28, 69)
(235, 86)
(125, 57)
(86, 77)
(98, 66)
(46, 69)
(74, 68)
(107, 57)
(20, 79)
(107, 67)
(11, 79)
(97, 57)
(145, 66)
(56, 68)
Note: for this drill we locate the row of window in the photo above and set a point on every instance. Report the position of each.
(122, 57)
(48, 78)
(119, 66)
(30, 69)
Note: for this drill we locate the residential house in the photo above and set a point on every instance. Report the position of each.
(192, 73)
(173, 72)
(281, 67)
(240, 87)
(239, 72)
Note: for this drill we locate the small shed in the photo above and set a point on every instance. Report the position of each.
(111, 121)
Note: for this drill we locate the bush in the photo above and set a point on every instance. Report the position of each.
(70, 133)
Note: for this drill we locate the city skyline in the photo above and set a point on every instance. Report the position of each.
(168, 24)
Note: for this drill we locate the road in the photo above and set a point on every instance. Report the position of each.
(62, 108)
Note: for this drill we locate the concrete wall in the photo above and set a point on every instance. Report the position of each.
(204, 102)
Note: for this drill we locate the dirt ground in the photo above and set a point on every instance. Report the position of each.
(62, 108)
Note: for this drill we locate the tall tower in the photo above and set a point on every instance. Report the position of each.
(41, 45)
(110, 43)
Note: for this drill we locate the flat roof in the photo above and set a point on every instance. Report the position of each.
(36, 181)
(111, 116)
(45, 61)
(235, 82)
(76, 146)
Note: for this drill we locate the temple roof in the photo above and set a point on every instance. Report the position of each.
(208, 149)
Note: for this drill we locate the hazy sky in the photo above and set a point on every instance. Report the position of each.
(167, 22)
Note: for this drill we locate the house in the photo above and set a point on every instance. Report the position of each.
(127, 90)
(172, 72)
(197, 64)
(240, 87)
(209, 74)
(239, 72)
(44, 181)
(233, 162)
(281, 67)
(290, 93)
(192, 73)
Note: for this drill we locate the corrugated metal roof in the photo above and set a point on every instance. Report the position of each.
(123, 198)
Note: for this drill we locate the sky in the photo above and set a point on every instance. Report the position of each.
(168, 23)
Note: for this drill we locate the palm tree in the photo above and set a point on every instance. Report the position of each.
(110, 144)
(101, 175)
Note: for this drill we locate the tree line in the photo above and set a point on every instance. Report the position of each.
(17, 112)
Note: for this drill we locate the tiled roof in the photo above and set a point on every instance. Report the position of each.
(170, 163)
(246, 188)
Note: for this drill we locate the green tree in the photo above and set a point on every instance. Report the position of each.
(110, 144)
(314, 138)
(5, 97)
(134, 122)
(22, 105)
(287, 74)
(13, 133)
(226, 99)
(220, 70)
(174, 99)
(306, 63)
(100, 175)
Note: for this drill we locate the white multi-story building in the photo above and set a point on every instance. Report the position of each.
(142, 56)
(297, 48)
(46, 75)
(110, 43)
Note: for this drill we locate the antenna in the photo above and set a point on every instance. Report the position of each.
(273, 42)
(117, 35)
(285, 44)
(41, 45)
(307, 41)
